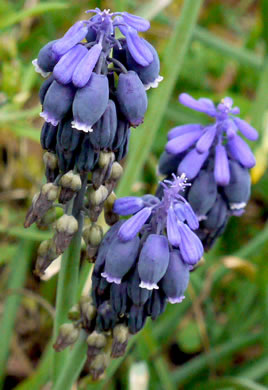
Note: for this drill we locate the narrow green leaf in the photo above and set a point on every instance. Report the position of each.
(8, 114)
(144, 136)
(30, 234)
(196, 365)
(243, 56)
(39, 9)
(18, 271)
(236, 383)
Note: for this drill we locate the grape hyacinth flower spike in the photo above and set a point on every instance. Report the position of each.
(216, 160)
(96, 91)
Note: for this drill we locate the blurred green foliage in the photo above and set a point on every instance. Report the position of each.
(216, 338)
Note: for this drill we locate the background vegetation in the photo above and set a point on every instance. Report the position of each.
(218, 337)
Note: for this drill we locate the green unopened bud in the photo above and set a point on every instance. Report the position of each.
(66, 227)
(93, 234)
(46, 254)
(110, 217)
(99, 365)
(120, 340)
(117, 171)
(50, 160)
(96, 342)
(74, 313)
(50, 191)
(47, 220)
(68, 334)
(109, 203)
(96, 197)
(105, 159)
(41, 204)
(71, 180)
(88, 312)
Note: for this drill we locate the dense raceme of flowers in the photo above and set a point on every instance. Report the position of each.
(90, 100)
(96, 88)
(216, 160)
(141, 264)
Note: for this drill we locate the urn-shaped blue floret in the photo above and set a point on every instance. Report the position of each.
(137, 294)
(128, 205)
(46, 60)
(176, 278)
(58, 101)
(90, 102)
(120, 257)
(131, 97)
(153, 261)
(104, 246)
(149, 74)
(191, 247)
(104, 130)
(202, 193)
(238, 191)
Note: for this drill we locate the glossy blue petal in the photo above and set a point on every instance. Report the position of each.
(247, 130)
(84, 69)
(182, 142)
(206, 140)
(192, 163)
(134, 224)
(241, 152)
(128, 205)
(191, 247)
(184, 129)
(172, 228)
(136, 22)
(221, 166)
(202, 105)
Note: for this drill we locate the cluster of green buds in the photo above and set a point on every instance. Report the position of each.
(102, 342)
(78, 195)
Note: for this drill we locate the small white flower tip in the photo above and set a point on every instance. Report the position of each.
(176, 299)
(39, 70)
(48, 118)
(81, 127)
(111, 279)
(153, 84)
(148, 286)
(237, 206)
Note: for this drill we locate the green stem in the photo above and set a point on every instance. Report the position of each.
(66, 291)
(142, 142)
(18, 272)
(68, 279)
(73, 365)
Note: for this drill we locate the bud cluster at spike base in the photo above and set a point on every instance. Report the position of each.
(141, 264)
(216, 160)
(96, 88)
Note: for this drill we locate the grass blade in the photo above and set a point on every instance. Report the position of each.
(236, 383)
(142, 141)
(18, 271)
(39, 9)
(196, 365)
(243, 56)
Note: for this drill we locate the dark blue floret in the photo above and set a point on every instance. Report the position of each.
(58, 101)
(132, 97)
